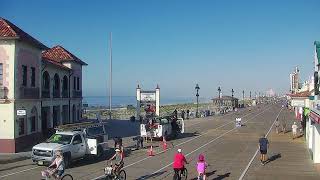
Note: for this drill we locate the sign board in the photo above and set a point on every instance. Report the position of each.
(297, 103)
(148, 96)
(238, 122)
(85, 105)
(21, 112)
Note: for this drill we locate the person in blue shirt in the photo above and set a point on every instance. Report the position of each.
(263, 147)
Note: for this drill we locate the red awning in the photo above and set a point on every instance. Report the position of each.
(315, 117)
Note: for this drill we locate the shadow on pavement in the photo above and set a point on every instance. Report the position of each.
(273, 158)
(211, 173)
(207, 174)
(122, 128)
(186, 135)
(220, 177)
(92, 160)
(301, 135)
(151, 175)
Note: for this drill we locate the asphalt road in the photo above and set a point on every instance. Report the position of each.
(227, 149)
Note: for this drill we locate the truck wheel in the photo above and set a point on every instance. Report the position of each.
(67, 160)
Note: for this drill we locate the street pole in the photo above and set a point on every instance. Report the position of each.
(243, 97)
(110, 81)
(232, 92)
(197, 95)
(250, 95)
(219, 90)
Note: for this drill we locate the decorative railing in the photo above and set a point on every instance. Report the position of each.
(3, 93)
(29, 93)
(56, 94)
(65, 94)
(77, 94)
(45, 93)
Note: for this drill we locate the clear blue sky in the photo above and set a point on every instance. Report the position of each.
(250, 45)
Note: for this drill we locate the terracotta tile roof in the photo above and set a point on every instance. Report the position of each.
(11, 31)
(55, 63)
(60, 54)
(301, 94)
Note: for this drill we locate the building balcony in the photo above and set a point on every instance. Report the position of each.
(29, 93)
(56, 94)
(65, 93)
(45, 93)
(77, 94)
(3, 93)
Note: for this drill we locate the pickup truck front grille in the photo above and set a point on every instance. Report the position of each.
(44, 153)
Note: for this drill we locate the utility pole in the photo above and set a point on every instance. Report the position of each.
(232, 92)
(219, 90)
(243, 97)
(110, 75)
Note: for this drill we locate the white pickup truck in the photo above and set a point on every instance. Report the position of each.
(162, 126)
(75, 141)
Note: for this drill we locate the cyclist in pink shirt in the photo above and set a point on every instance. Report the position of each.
(178, 163)
(201, 167)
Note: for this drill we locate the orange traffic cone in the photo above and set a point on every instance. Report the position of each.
(150, 152)
(164, 144)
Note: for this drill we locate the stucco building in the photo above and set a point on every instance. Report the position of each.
(40, 88)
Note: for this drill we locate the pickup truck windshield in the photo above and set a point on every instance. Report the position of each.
(60, 139)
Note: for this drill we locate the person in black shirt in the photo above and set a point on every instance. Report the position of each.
(263, 147)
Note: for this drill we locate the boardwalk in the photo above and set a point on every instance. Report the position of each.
(228, 150)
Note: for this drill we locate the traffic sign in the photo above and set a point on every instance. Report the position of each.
(21, 112)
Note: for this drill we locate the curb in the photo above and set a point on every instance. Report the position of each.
(6, 158)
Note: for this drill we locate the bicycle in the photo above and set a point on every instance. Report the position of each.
(183, 175)
(110, 174)
(46, 174)
(201, 175)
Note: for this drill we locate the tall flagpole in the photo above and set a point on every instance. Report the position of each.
(110, 75)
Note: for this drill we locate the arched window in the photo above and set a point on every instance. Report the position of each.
(56, 86)
(46, 85)
(65, 92)
(33, 120)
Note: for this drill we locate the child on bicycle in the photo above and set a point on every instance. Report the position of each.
(201, 167)
(118, 161)
(58, 165)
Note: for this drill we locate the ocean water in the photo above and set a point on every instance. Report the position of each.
(123, 101)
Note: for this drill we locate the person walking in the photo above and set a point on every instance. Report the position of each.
(277, 125)
(263, 147)
(294, 130)
(182, 114)
(188, 113)
(175, 113)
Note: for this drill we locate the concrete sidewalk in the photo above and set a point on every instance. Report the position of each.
(14, 157)
(289, 159)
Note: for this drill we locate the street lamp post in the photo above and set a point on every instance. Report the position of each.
(243, 97)
(232, 92)
(219, 90)
(250, 95)
(197, 95)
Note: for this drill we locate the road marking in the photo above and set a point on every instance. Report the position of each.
(19, 172)
(255, 154)
(232, 121)
(211, 141)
